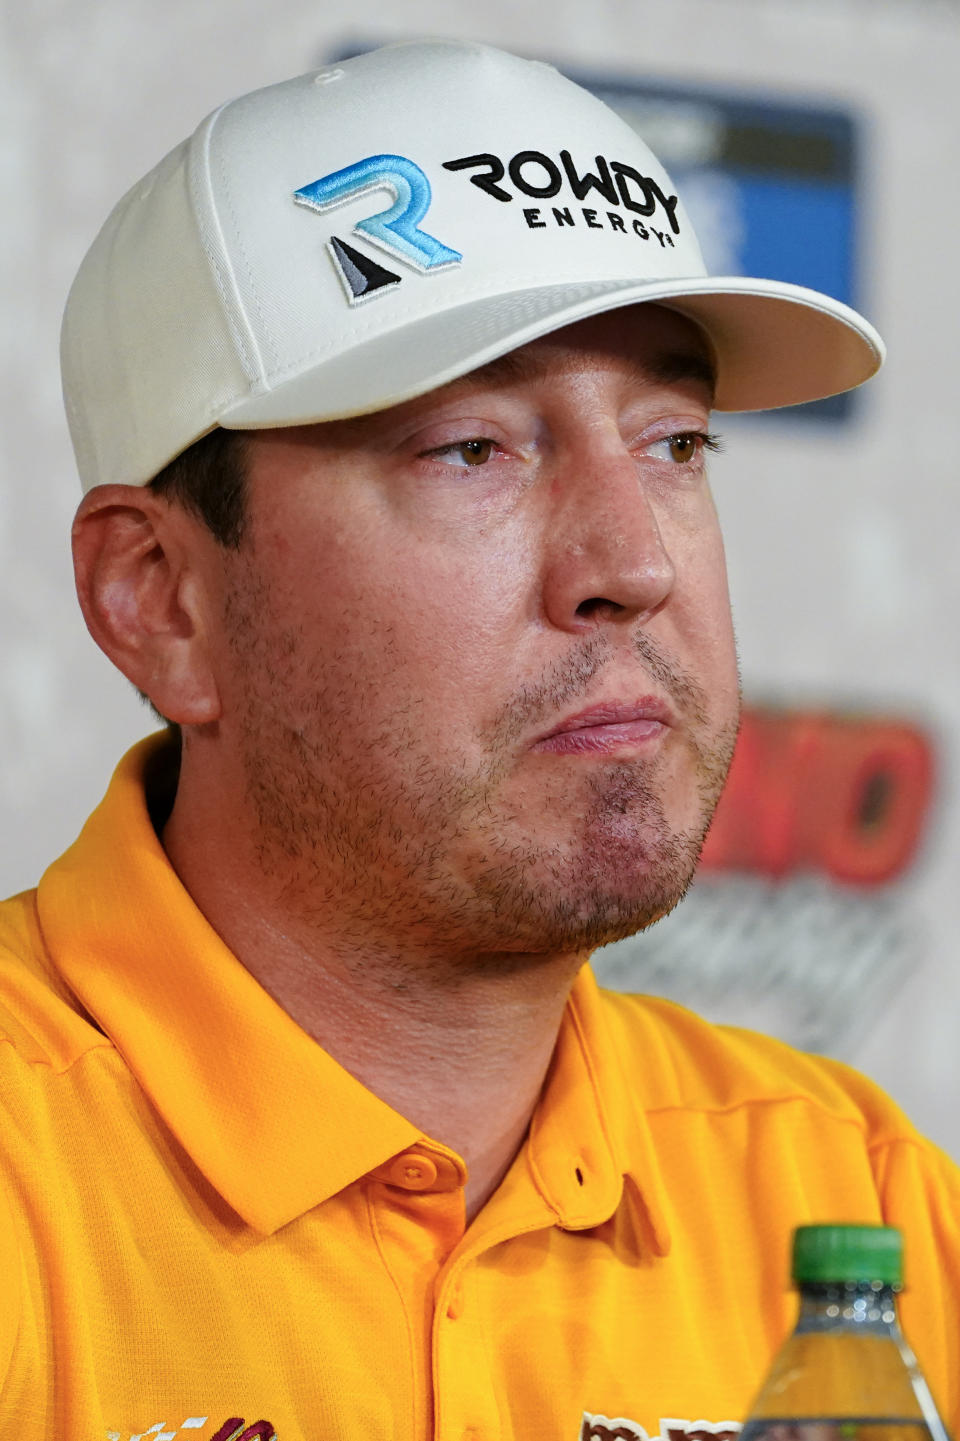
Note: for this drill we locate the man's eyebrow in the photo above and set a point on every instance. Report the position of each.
(674, 365)
(665, 367)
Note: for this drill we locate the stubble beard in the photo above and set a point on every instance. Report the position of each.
(432, 856)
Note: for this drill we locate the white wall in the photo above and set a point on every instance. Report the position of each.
(842, 548)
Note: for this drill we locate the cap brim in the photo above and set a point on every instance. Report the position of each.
(776, 344)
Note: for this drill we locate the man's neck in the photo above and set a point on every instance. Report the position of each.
(463, 1062)
(459, 1045)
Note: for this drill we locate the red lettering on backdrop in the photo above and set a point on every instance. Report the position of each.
(814, 791)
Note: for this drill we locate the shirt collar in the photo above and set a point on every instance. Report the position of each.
(217, 1055)
(213, 1051)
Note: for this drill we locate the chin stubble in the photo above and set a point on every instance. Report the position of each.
(431, 851)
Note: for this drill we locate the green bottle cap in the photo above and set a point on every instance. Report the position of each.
(848, 1254)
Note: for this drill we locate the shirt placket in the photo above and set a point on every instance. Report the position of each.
(466, 1406)
(417, 1214)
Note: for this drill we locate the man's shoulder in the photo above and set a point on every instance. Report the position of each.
(41, 1022)
(680, 1061)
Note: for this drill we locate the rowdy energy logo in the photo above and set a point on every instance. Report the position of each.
(637, 201)
(537, 175)
(396, 229)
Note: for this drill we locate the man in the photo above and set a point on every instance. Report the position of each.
(390, 392)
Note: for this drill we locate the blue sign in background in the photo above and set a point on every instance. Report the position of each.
(799, 231)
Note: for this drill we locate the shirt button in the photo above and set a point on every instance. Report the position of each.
(455, 1303)
(413, 1171)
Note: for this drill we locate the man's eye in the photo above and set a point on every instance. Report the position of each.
(684, 447)
(465, 452)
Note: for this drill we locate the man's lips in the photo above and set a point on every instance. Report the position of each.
(611, 725)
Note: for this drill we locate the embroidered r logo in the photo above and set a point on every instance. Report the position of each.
(395, 229)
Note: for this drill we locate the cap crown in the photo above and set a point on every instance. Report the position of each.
(303, 220)
(358, 236)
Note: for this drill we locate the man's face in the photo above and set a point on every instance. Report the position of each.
(477, 663)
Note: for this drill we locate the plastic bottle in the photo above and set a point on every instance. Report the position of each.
(846, 1373)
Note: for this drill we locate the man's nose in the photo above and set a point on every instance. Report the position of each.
(607, 560)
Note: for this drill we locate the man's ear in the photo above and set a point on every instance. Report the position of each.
(139, 565)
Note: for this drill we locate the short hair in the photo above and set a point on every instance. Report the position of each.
(209, 479)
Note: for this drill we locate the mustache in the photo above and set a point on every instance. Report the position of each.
(569, 679)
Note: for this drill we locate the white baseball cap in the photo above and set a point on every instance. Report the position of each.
(355, 237)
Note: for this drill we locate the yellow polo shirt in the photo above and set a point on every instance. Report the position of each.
(209, 1230)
